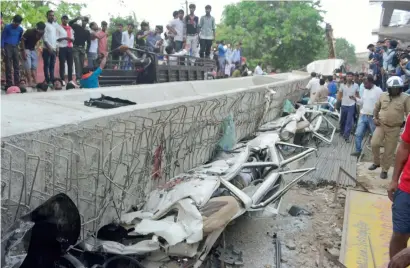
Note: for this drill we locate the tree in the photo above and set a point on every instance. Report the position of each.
(132, 18)
(35, 11)
(344, 50)
(114, 21)
(283, 35)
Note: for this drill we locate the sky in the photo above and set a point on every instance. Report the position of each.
(350, 19)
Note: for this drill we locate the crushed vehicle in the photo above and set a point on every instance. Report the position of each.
(180, 224)
(147, 67)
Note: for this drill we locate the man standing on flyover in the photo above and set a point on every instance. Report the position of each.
(10, 39)
(31, 38)
(191, 24)
(65, 40)
(399, 194)
(207, 33)
(389, 112)
(82, 37)
(50, 48)
(116, 43)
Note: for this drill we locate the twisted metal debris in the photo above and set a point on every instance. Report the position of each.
(108, 169)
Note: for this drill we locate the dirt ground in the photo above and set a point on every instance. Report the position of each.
(301, 236)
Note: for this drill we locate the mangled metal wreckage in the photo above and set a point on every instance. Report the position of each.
(180, 223)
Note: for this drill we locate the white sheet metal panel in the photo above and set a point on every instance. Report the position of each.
(324, 67)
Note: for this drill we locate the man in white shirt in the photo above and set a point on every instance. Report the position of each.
(258, 69)
(176, 26)
(313, 86)
(367, 102)
(50, 47)
(92, 54)
(128, 37)
(170, 35)
(128, 40)
(347, 94)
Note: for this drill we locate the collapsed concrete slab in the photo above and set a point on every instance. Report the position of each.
(106, 160)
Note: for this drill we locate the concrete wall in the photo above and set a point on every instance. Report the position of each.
(105, 159)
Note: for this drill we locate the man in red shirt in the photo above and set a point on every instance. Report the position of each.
(102, 39)
(399, 194)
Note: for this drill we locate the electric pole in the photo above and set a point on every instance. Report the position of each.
(186, 3)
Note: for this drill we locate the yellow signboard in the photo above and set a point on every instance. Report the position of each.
(367, 230)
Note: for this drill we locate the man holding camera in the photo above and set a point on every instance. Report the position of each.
(404, 70)
(390, 60)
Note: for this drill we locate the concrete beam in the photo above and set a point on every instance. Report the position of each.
(400, 33)
(386, 15)
(399, 5)
(389, 1)
(52, 143)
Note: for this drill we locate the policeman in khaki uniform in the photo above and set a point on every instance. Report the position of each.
(389, 113)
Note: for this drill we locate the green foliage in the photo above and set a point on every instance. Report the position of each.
(114, 21)
(283, 35)
(35, 11)
(344, 50)
(323, 54)
(132, 18)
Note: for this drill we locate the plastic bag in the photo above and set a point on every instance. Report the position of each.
(228, 139)
(288, 107)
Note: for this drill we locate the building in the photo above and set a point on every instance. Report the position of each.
(394, 20)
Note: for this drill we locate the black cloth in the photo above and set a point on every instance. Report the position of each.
(191, 24)
(205, 48)
(116, 40)
(12, 61)
(82, 37)
(31, 38)
(66, 54)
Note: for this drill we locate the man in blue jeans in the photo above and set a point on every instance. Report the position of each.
(347, 94)
(399, 194)
(50, 48)
(367, 103)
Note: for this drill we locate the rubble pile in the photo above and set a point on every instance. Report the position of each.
(303, 237)
(180, 223)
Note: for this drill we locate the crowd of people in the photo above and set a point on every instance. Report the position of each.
(387, 59)
(377, 103)
(69, 41)
(82, 47)
(374, 102)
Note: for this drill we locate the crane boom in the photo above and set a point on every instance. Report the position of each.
(330, 41)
